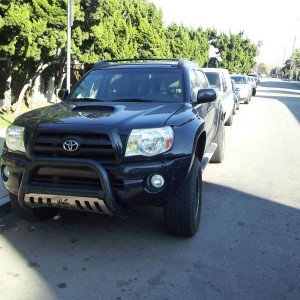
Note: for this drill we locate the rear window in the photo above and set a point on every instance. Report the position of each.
(213, 79)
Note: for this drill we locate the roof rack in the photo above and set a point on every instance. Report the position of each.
(103, 63)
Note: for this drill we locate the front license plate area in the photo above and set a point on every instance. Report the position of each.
(65, 201)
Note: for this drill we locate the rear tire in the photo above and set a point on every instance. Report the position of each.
(182, 212)
(219, 139)
(31, 214)
(230, 119)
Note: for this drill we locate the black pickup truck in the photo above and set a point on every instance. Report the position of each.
(132, 132)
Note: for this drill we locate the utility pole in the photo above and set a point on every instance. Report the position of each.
(292, 60)
(69, 25)
(284, 55)
(259, 44)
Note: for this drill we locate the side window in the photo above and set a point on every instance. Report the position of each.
(203, 80)
(195, 84)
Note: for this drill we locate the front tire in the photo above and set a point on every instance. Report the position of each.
(230, 119)
(247, 100)
(182, 212)
(31, 214)
(234, 108)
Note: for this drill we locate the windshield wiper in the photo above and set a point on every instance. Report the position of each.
(131, 100)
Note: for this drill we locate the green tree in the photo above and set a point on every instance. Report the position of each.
(237, 52)
(111, 29)
(262, 68)
(33, 34)
(33, 37)
(187, 43)
(295, 65)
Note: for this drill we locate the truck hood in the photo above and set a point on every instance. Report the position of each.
(121, 115)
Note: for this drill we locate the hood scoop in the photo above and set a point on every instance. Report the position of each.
(94, 108)
(94, 111)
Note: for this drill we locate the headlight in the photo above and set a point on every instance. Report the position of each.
(149, 142)
(15, 138)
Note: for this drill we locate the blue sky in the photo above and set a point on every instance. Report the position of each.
(276, 24)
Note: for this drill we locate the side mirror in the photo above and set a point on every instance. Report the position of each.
(62, 94)
(206, 95)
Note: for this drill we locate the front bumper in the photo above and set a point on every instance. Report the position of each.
(85, 184)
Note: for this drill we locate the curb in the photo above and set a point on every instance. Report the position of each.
(4, 199)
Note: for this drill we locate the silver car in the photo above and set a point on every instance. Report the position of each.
(244, 85)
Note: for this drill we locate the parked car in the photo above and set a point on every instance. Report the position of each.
(236, 95)
(131, 133)
(254, 85)
(256, 77)
(245, 86)
(220, 80)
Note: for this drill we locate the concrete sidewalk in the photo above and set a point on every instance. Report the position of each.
(4, 201)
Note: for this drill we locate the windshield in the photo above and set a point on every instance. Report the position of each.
(130, 84)
(239, 79)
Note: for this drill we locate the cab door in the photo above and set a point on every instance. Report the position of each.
(206, 111)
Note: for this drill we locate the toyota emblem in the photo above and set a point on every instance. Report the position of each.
(70, 145)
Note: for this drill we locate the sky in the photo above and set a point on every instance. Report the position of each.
(276, 24)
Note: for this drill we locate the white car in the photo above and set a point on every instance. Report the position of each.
(254, 85)
(256, 77)
(220, 80)
(244, 85)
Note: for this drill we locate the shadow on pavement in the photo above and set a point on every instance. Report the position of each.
(286, 92)
(281, 84)
(247, 248)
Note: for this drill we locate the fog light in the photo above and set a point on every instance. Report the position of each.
(6, 171)
(157, 181)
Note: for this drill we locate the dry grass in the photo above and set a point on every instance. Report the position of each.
(7, 117)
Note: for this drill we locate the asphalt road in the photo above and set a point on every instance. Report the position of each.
(247, 246)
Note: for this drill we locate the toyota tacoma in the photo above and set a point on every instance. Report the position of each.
(130, 133)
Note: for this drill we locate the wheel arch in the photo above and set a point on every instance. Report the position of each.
(200, 146)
